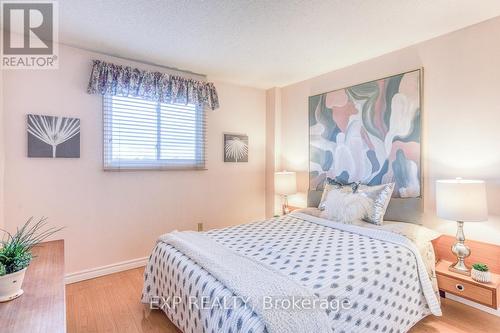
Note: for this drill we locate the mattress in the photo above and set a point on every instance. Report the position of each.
(379, 279)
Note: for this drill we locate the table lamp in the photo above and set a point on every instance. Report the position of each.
(462, 201)
(285, 184)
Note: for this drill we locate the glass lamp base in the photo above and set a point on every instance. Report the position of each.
(459, 270)
(284, 207)
(461, 251)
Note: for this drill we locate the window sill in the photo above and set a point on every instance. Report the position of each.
(152, 169)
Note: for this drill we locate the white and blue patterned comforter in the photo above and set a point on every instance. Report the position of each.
(379, 278)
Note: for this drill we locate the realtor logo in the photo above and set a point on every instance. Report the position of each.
(29, 35)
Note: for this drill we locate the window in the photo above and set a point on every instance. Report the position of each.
(141, 134)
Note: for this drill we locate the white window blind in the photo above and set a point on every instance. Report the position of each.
(140, 134)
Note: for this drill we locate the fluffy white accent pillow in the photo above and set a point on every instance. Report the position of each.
(332, 188)
(369, 203)
(345, 207)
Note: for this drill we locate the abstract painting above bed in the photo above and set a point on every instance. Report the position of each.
(369, 132)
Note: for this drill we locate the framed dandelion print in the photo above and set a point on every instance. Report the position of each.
(235, 148)
(370, 133)
(51, 136)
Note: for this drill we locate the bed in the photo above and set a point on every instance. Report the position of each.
(384, 275)
(359, 277)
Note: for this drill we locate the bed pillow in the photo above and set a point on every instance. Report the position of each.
(408, 210)
(344, 206)
(338, 185)
(380, 195)
(368, 203)
(314, 198)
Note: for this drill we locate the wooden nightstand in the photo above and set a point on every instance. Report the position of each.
(292, 208)
(463, 286)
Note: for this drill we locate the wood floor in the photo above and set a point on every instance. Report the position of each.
(111, 304)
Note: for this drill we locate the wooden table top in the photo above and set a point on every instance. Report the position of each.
(42, 307)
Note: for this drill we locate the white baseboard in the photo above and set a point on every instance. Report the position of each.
(474, 304)
(104, 270)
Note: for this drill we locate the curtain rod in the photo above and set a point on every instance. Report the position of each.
(135, 60)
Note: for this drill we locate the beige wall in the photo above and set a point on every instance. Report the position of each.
(116, 216)
(461, 119)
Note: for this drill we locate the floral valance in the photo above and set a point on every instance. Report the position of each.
(117, 80)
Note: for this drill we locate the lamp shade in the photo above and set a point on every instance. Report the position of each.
(285, 183)
(461, 200)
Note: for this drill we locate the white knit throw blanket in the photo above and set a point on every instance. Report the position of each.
(253, 281)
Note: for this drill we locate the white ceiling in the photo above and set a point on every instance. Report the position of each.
(261, 43)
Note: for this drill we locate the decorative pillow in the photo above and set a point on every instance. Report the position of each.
(380, 195)
(368, 203)
(341, 183)
(336, 184)
(344, 206)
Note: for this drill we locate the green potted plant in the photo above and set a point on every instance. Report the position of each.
(480, 273)
(15, 255)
